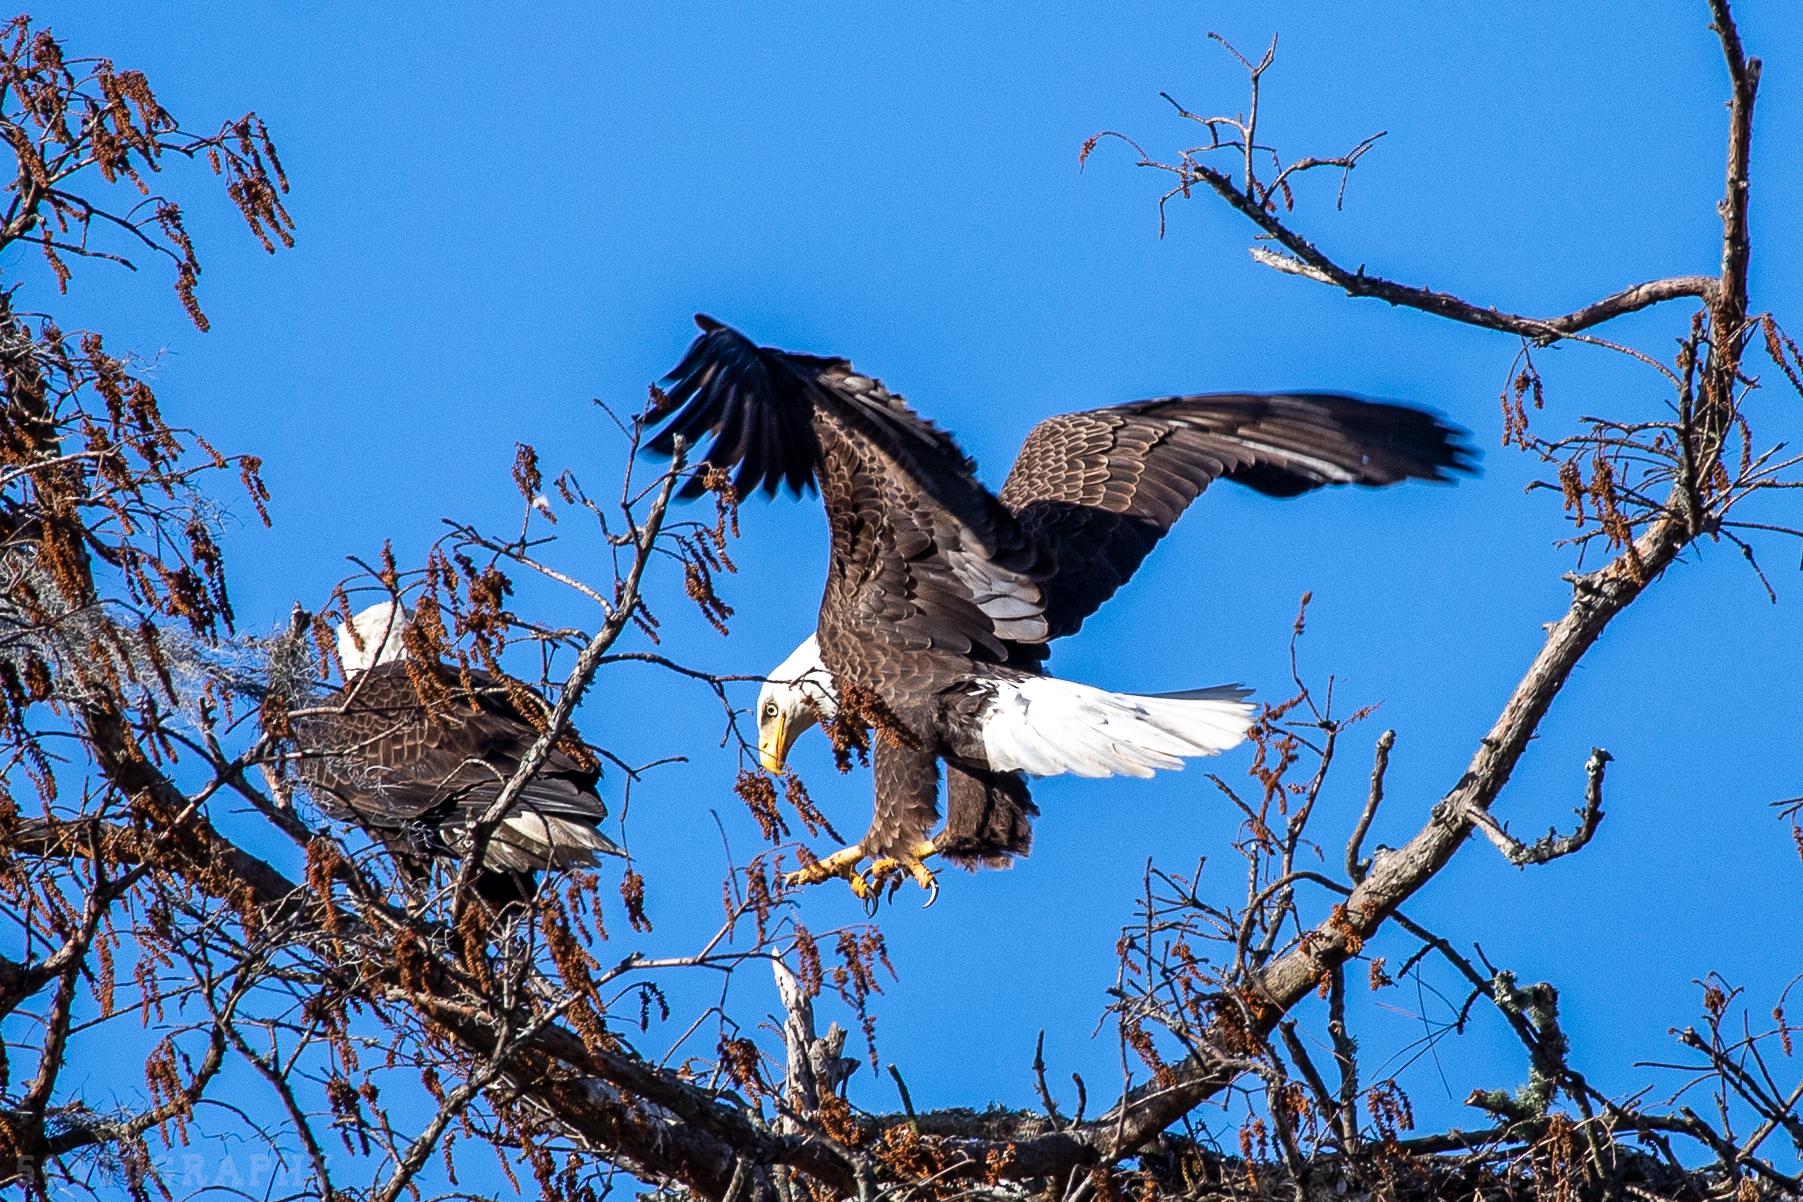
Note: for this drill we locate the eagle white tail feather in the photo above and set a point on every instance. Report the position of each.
(1045, 726)
(528, 840)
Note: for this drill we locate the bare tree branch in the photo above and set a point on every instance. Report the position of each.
(1553, 845)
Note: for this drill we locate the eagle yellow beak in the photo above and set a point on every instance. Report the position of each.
(774, 741)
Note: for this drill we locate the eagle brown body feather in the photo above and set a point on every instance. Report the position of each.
(937, 588)
(417, 777)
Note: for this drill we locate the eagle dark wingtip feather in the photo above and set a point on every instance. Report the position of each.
(1466, 458)
(1382, 442)
(1439, 452)
(754, 400)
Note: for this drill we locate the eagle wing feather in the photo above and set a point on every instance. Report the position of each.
(1098, 489)
(924, 555)
(373, 753)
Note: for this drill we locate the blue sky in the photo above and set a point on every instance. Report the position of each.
(500, 219)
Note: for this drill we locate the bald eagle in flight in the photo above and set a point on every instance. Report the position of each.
(942, 598)
(419, 778)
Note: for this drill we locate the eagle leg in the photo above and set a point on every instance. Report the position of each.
(907, 806)
(843, 863)
(892, 868)
(907, 803)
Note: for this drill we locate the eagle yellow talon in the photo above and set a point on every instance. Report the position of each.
(842, 863)
(891, 870)
(868, 884)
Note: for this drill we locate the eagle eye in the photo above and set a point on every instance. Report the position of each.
(769, 709)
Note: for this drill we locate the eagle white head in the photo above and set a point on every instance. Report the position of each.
(378, 630)
(799, 693)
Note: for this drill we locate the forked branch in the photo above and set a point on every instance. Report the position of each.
(1552, 845)
(1258, 201)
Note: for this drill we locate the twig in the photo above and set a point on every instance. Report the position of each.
(1553, 845)
(1045, 1094)
(907, 1101)
(575, 684)
(1356, 865)
(1309, 262)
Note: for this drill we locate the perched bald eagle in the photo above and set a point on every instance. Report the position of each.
(942, 597)
(418, 777)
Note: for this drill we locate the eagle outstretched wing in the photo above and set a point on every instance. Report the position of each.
(926, 556)
(1099, 489)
